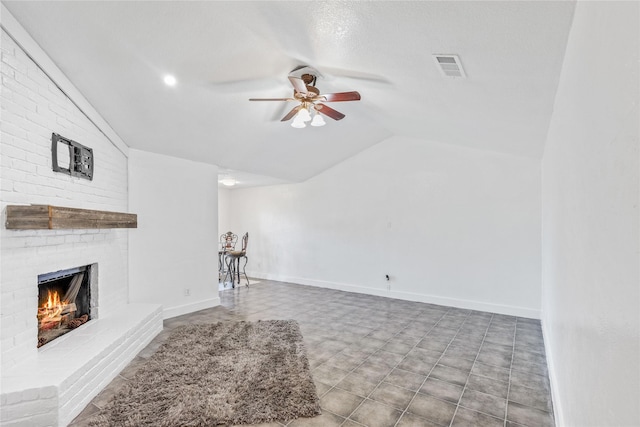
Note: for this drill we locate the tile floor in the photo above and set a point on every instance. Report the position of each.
(383, 362)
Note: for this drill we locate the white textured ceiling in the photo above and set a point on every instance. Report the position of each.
(222, 53)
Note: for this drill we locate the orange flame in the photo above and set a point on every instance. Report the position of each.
(53, 300)
(51, 308)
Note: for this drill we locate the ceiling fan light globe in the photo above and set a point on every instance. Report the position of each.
(298, 124)
(304, 115)
(318, 120)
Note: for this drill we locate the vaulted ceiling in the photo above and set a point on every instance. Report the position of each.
(224, 52)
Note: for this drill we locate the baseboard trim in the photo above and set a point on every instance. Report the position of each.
(169, 312)
(553, 379)
(407, 296)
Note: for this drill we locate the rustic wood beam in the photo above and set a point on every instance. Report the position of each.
(47, 217)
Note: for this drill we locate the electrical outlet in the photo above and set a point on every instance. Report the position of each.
(187, 292)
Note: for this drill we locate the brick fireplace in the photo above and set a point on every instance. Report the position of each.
(50, 385)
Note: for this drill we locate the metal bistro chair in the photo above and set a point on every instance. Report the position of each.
(227, 244)
(232, 260)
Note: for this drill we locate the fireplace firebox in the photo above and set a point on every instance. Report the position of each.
(64, 302)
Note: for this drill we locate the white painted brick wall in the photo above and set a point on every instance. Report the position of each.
(67, 374)
(32, 107)
(29, 408)
(50, 386)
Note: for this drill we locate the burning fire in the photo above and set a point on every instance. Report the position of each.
(53, 301)
(50, 311)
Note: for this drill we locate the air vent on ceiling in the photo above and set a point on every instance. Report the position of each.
(449, 65)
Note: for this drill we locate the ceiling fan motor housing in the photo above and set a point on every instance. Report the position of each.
(311, 95)
(313, 89)
(308, 79)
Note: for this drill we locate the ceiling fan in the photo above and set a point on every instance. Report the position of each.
(310, 99)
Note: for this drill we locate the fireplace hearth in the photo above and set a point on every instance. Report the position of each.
(64, 302)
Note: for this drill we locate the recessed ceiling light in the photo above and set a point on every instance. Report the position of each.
(228, 182)
(169, 80)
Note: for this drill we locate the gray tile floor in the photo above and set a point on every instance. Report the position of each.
(383, 362)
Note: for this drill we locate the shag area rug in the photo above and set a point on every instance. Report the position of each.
(219, 374)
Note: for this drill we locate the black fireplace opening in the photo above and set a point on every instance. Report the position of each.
(64, 302)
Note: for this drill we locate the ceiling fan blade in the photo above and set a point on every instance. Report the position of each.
(290, 114)
(298, 85)
(271, 99)
(330, 112)
(342, 96)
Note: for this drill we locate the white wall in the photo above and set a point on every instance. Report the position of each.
(591, 299)
(450, 225)
(33, 106)
(175, 246)
(224, 210)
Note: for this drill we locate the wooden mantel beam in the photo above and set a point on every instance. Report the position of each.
(47, 217)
